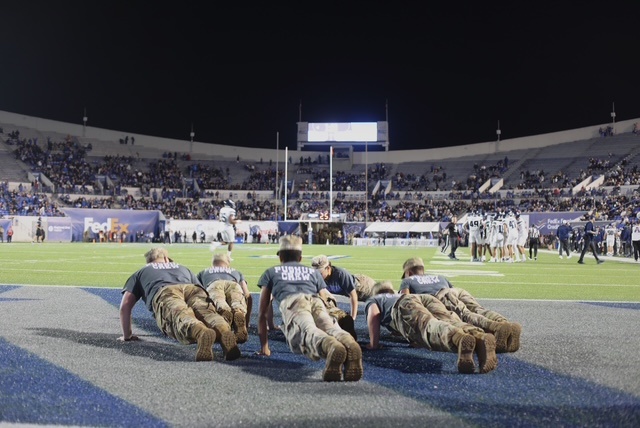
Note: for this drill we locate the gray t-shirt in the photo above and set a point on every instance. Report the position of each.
(214, 273)
(425, 284)
(291, 278)
(146, 282)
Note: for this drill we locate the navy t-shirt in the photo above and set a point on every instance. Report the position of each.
(340, 281)
(385, 303)
(146, 282)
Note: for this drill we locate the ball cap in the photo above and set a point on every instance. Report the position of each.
(320, 262)
(411, 263)
(290, 242)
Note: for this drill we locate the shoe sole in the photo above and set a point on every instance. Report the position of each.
(353, 369)
(205, 342)
(229, 346)
(335, 359)
(465, 354)
(502, 333)
(486, 352)
(240, 321)
(514, 339)
(346, 323)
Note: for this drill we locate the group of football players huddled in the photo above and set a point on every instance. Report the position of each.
(497, 237)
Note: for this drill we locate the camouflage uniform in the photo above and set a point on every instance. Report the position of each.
(423, 320)
(467, 307)
(180, 308)
(227, 297)
(454, 299)
(306, 323)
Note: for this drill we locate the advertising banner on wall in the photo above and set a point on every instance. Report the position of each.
(548, 222)
(58, 229)
(128, 222)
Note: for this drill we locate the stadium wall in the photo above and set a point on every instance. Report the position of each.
(255, 154)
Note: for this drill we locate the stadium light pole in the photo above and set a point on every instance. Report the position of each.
(276, 181)
(191, 134)
(613, 117)
(498, 132)
(84, 123)
(366, 183)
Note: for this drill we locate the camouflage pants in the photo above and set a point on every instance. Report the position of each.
(364, 287)
(468, 309)
(332, 307)
(180, 308)
(227, 296)
(423, 320)
(306, 323)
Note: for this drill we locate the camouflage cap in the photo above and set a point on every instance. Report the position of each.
(290, 242)
(320, 262)
(411, 263)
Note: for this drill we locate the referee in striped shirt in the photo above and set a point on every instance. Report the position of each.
(534, 241)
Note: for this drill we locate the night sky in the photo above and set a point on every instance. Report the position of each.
(239, 72)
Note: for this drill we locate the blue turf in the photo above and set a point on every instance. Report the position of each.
(60, 397)
(517, 394)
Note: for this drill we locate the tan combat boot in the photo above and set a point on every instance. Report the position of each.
(205, 337)
(335, 354)
(466, 344)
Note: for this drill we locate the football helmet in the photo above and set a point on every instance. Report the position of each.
(230, 203)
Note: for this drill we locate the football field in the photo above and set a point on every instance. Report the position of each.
(548, 277)
(578, 364)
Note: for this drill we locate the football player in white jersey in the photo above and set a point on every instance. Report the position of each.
(610, 235)
(474, 226)
(511, 236)
(523, 233)
(229, 220)
(635, 237)
(497, 238)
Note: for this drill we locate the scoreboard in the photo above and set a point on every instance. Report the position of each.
(342, 133)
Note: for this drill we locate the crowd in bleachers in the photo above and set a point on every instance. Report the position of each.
(26, 202)
(66, 164)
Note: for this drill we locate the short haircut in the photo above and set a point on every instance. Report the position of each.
(290, 255)
(155, 254)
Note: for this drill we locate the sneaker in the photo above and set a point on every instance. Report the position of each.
(581, 262)
(569, 256)
(561, 257)
(206, 339)
(353, 370)
(466, 347)
(240, 324)
(229, 346)
(486, 352)
(535, 258)
(336, 354)
(600, 261)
